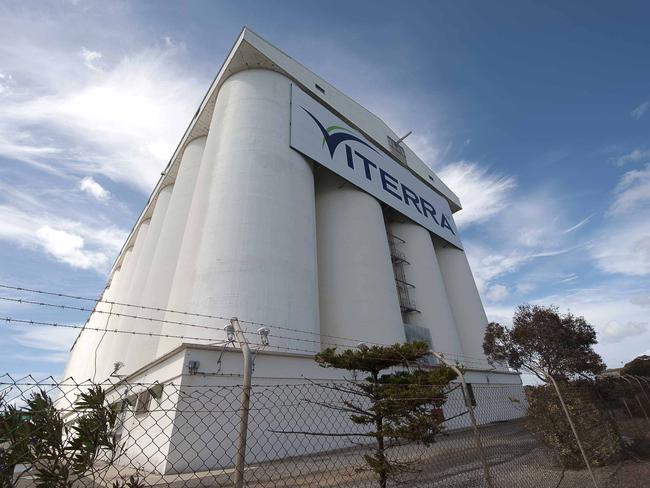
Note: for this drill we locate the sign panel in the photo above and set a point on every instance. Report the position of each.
(319, 134)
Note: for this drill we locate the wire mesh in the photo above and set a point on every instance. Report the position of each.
(180, 434)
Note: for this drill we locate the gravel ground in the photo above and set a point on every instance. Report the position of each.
(516, 460)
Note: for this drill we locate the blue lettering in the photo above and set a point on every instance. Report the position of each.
(366, 164)
(410, 195)
(348, 153)
(445, 223)
(428, 208)
(389, 183)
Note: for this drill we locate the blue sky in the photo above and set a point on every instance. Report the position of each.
(537, 115)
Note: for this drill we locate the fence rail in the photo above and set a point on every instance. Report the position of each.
(181, 434)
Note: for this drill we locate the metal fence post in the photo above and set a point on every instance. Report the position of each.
(472, 418)
(240, 462)
(573, 428)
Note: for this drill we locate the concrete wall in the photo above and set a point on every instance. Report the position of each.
(249, 249)
(358, 298)
(423, 272)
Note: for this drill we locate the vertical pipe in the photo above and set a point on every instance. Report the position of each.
(240, 462)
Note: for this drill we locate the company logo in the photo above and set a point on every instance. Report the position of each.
(335, 135)
(376, 174)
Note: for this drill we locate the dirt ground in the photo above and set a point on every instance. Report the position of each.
(516, 460)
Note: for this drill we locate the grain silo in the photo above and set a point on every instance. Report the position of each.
(290, 206)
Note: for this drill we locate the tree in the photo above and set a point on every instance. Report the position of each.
(639, 366)
(400, 405)
(58, 451)
(545, 342)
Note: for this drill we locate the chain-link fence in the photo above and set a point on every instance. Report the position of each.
(179, 434)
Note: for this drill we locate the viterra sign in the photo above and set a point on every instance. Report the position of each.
(322, 136)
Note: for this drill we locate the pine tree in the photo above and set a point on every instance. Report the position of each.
(403, 404)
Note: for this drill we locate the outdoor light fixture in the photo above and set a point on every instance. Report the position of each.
(193, 367)
(230, 332)
(264, 335)
(117, 366)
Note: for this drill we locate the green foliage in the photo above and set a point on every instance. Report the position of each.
(14, 446)
(639, 366)
(400, 405)
(597, 431)
(58, 451)
(542, 340)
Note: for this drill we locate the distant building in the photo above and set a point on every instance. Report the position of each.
(288, 205)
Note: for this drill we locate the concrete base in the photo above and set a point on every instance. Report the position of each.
(194, 425)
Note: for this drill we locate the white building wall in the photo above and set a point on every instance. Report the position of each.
(429, 293)
(92, 343)
(114, 345)
(465, 302)
(358, 298)
(132, 352)
(249, 249)
(155, 292)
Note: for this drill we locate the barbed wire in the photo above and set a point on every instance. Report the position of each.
(462, 357)
(281, 348)
(160, 309)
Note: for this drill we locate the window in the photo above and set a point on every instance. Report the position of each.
(143, 402)
(396, 149)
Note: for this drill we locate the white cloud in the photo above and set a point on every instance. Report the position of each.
(579, 224)
(90, 58)
(623, 247)
(497, 293)
(524, 287)
(122, 122)
(69, 248)
(642, 300)
(615, 331)
(6, 82)
(633, 157)
(94, 189)
(56, 342)
(641, 109)
(80, 245)
(482, 194)
(623, 243)
(632, 192)
(622, 328)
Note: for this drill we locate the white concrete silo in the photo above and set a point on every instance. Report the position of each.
(422, 271)
(156, 289)
(114, 347)
(464, 300)
(138, 280)
(358, 298)
(86, 357)
(249, 248)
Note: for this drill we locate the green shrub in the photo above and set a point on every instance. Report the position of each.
(547, 421)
